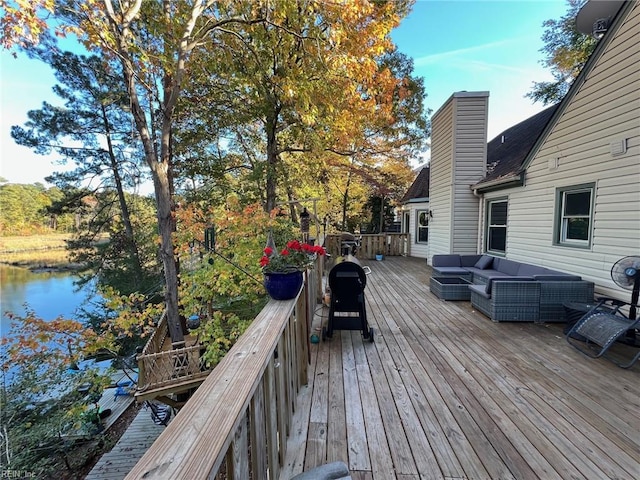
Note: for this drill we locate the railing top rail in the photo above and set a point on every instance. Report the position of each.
(206, 423)
(170, 353)
(158, 335)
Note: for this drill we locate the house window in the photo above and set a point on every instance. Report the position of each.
(422, 226)
(497, 226)
(574, 215)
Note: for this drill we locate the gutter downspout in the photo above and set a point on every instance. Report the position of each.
(480, 218)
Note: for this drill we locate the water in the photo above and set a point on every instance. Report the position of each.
(49, 294)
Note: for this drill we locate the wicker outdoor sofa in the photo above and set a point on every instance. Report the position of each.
(506, 290)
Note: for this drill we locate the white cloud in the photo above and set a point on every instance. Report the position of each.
(439, 57)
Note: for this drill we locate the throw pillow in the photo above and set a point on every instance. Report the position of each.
(484, 263)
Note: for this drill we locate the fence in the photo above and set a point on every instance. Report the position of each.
(388, 244)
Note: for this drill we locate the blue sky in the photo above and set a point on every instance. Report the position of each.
(472, 45)
(480, 45)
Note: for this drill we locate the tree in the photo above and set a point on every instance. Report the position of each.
(23, 209)
(320, 80)
(94, 133)
(42, 368)
(315, 81)
(566, 51)
(23, 22)
(154, 43)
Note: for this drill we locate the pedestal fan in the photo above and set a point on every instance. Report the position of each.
(626, 274)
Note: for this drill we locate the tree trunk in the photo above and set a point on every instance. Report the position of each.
(166, 227)
(132, 246)
(160, 167)
(345, 202)
(272, 160)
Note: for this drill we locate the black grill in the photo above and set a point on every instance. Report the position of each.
(347, 311)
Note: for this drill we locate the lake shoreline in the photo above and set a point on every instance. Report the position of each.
(36, 266)
(38, 253)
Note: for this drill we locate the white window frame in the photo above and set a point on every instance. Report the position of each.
(563, 218)
(419, 213)
(491, 226)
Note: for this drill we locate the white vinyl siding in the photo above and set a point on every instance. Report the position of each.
(604, 109)
(469, 168)
(440, 180)
(458, 160)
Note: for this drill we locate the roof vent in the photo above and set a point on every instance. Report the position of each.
(618, 147)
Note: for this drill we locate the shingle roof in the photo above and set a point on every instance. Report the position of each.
(507, 152)
(419, 188)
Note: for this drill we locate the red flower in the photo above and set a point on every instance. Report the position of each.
(294, 245)
(296, 256)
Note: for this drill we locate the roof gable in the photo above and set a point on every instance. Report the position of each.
(419, 188)
(507, 152)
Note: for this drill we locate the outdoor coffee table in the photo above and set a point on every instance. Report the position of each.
(450, 288)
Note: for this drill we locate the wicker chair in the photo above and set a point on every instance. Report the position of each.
(601, 327)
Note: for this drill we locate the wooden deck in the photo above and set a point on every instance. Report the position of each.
(445, 393)
(140, 435)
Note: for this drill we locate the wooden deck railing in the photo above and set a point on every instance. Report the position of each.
(158, 370)
(162, 368)
(158, 337)
(239, 419)
(389, 244)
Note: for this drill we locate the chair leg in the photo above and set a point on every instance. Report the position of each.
(629, 364)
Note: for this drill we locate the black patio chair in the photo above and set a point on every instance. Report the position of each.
(160, 413)
(604, 325)
(349, 244)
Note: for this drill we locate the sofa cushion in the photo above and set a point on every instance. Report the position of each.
(528, 270)
(480, 290)
(451, 260)
(548, 271)
(485, 262)
(506, 266)
(449, 271)
(485, 274)
(469, 260)
(565, 277)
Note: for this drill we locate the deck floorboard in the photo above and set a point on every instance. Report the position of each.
(445, 393)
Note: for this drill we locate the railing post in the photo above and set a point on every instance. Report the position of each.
(257, 418)
(272, 418)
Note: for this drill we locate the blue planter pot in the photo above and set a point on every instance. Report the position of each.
(283, 286)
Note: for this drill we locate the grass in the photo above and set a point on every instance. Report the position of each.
(35, 251)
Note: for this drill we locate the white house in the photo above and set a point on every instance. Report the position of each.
(415, 214)
(562, 188)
